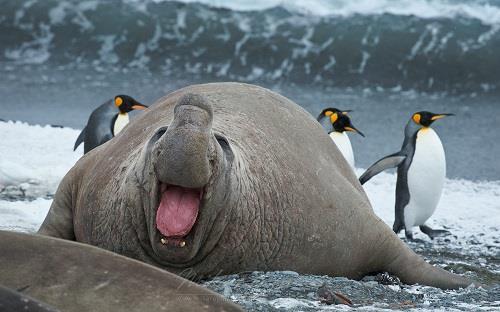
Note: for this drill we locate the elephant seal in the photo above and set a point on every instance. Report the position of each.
(229, 177)
(72, 276)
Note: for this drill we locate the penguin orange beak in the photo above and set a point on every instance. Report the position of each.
(439, 116)
(344, 112)
(353, 129)
(139, 107)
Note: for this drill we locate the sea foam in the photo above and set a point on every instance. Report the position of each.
(488, 13)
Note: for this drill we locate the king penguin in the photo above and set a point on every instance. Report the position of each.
(107, 121)
(341, 123)
(421, 173)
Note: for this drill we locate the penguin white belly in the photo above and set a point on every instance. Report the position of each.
(344, 145)
(426, 177)
(120, 123)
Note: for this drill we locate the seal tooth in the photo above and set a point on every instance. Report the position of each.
(163, 241)
(182, 244)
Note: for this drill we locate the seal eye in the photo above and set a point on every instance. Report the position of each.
(226, 148)
(416, 118)
(118, 101)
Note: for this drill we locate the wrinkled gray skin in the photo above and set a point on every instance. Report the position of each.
(277, 194)
(76, 277)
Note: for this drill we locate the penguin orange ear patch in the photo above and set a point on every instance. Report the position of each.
(328, 113)
(334, 117)
(416, 118)
(118, 101)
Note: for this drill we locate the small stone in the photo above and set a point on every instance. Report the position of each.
(327, 296)
(292, 273)
(387, 279)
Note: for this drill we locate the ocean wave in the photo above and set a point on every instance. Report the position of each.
(486, 12)
(425, 45)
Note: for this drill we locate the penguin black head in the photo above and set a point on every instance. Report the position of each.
(343, 123)
(126, 103)
(333, 113)
(425, 118)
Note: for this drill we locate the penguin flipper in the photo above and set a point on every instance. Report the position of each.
(387, 162)
(80, 138)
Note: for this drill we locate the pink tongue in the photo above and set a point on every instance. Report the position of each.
(178, 210)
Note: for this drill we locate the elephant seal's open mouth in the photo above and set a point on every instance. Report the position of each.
(177, 213)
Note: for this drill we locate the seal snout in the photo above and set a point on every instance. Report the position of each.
(182, 159)
(183, 153)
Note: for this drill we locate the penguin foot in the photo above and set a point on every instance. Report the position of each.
(433, 233)
(397, 227)
(408, 234)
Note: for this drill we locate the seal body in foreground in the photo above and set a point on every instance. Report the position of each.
(76, 277)
(12, 300)
(205, 182)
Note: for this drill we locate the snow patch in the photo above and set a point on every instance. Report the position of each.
(35, 158)
(469, 210)
(23, 216)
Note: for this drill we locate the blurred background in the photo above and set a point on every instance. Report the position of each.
(383, 59)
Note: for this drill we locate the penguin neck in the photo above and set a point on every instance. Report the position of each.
(337, 128)
(425, 129)
(336, 132)
(120, 122)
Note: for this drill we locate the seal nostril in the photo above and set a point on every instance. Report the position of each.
(196, 100)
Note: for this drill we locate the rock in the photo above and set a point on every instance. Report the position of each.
(326, 295)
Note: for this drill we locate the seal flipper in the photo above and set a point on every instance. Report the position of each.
(59, 220)
(80, 138)
(387, 162)
(411, 269)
